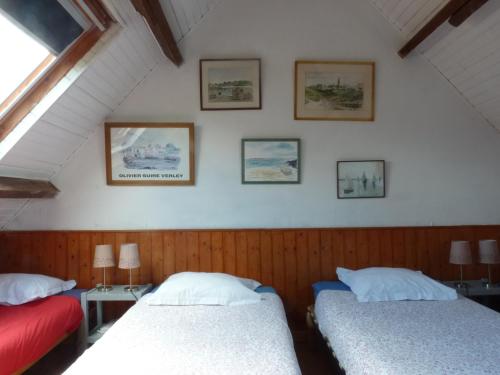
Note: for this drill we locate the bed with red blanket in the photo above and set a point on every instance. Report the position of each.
(30, 330)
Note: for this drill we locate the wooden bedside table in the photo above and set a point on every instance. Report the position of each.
(489, 297)
(118, 293)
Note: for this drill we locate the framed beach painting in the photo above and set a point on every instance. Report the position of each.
(149, 153)
(334, 90)
(361, 179)
(270, 161)
(230, 84)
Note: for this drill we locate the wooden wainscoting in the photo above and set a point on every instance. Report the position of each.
(288, 259)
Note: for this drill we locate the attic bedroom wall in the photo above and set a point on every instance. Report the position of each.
(441, 158)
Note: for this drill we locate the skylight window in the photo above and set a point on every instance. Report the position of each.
(25, 55)
(33, 33)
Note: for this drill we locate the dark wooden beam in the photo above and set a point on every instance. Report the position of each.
(465, 12)
(441, 17)
(22, 188)
(153, 14)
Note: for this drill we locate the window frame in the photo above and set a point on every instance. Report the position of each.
(42, 83)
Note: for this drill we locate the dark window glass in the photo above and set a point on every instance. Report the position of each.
(46, 20)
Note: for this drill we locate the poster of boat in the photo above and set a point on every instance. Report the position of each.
(270, 161)
(149, 153)
(361, 179)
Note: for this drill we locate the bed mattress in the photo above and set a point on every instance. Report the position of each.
(249, 339)
(410, 337)
(30, 330)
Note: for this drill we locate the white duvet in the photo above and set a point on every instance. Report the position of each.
(249, 339)
(410, 337)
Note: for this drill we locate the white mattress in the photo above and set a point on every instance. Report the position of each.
(250, 339)
(410, 337)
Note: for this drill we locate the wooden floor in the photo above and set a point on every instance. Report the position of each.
(313, 357)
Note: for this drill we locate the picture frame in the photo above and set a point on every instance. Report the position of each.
(149, 154)
(270, 161)
(360, 179)
(230, 84)
(334, 90)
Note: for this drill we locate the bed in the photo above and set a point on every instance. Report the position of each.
(407, 337)
(247, 339)
(31, 330)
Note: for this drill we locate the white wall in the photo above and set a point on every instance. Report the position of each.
(442, 159)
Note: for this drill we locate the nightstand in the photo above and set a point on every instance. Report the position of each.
(118, 293)
(489, 297)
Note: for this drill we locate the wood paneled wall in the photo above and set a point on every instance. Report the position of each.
(288, 259)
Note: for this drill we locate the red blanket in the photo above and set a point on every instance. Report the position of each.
(29, 331)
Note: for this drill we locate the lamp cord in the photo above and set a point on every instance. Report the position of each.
(136, 299)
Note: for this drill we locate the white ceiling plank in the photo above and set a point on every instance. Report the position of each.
(57, 133)
(168, 10)
(86, 100)
(182, 20)
(54, 119)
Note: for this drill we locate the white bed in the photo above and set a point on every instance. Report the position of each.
(248, 339)
(409, 337)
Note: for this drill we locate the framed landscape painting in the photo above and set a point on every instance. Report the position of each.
(334, 90)
(270, 161)
(149, 153)
(230, 84)
(361, 179)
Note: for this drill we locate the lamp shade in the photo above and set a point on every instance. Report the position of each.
(129, 256)
(103, 256)
(488, 252)
(460, 252)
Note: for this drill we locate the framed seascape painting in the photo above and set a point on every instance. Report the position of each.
(361, 179)
(270, 161)
(230, 84)
(149, 153)
(334, 90)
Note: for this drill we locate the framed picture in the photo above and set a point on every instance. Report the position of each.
(361, 179)
(334, 90)
(270, 161)
(149, 153)
(230, 84)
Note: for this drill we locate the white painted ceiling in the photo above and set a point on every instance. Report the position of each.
(468, 56)
(184, 15)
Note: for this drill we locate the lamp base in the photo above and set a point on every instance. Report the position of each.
(131, 288)
(104, 288)
(461, 285)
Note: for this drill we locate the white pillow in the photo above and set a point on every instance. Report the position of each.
(19, 288)
(393, 284)
(200, 288)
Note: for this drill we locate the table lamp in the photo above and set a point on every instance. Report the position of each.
(488, 254)
(129, 259)
(460, 254)
(103, 257)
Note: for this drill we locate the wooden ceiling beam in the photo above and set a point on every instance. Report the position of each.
(465, 12)
(441, 17)
(22, 188)
(152, 12)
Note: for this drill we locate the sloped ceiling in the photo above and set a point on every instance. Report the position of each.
(468, 56)
(108, 78)
(184, 15)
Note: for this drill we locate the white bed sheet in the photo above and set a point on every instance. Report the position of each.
(410, 337)
(249, 339)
